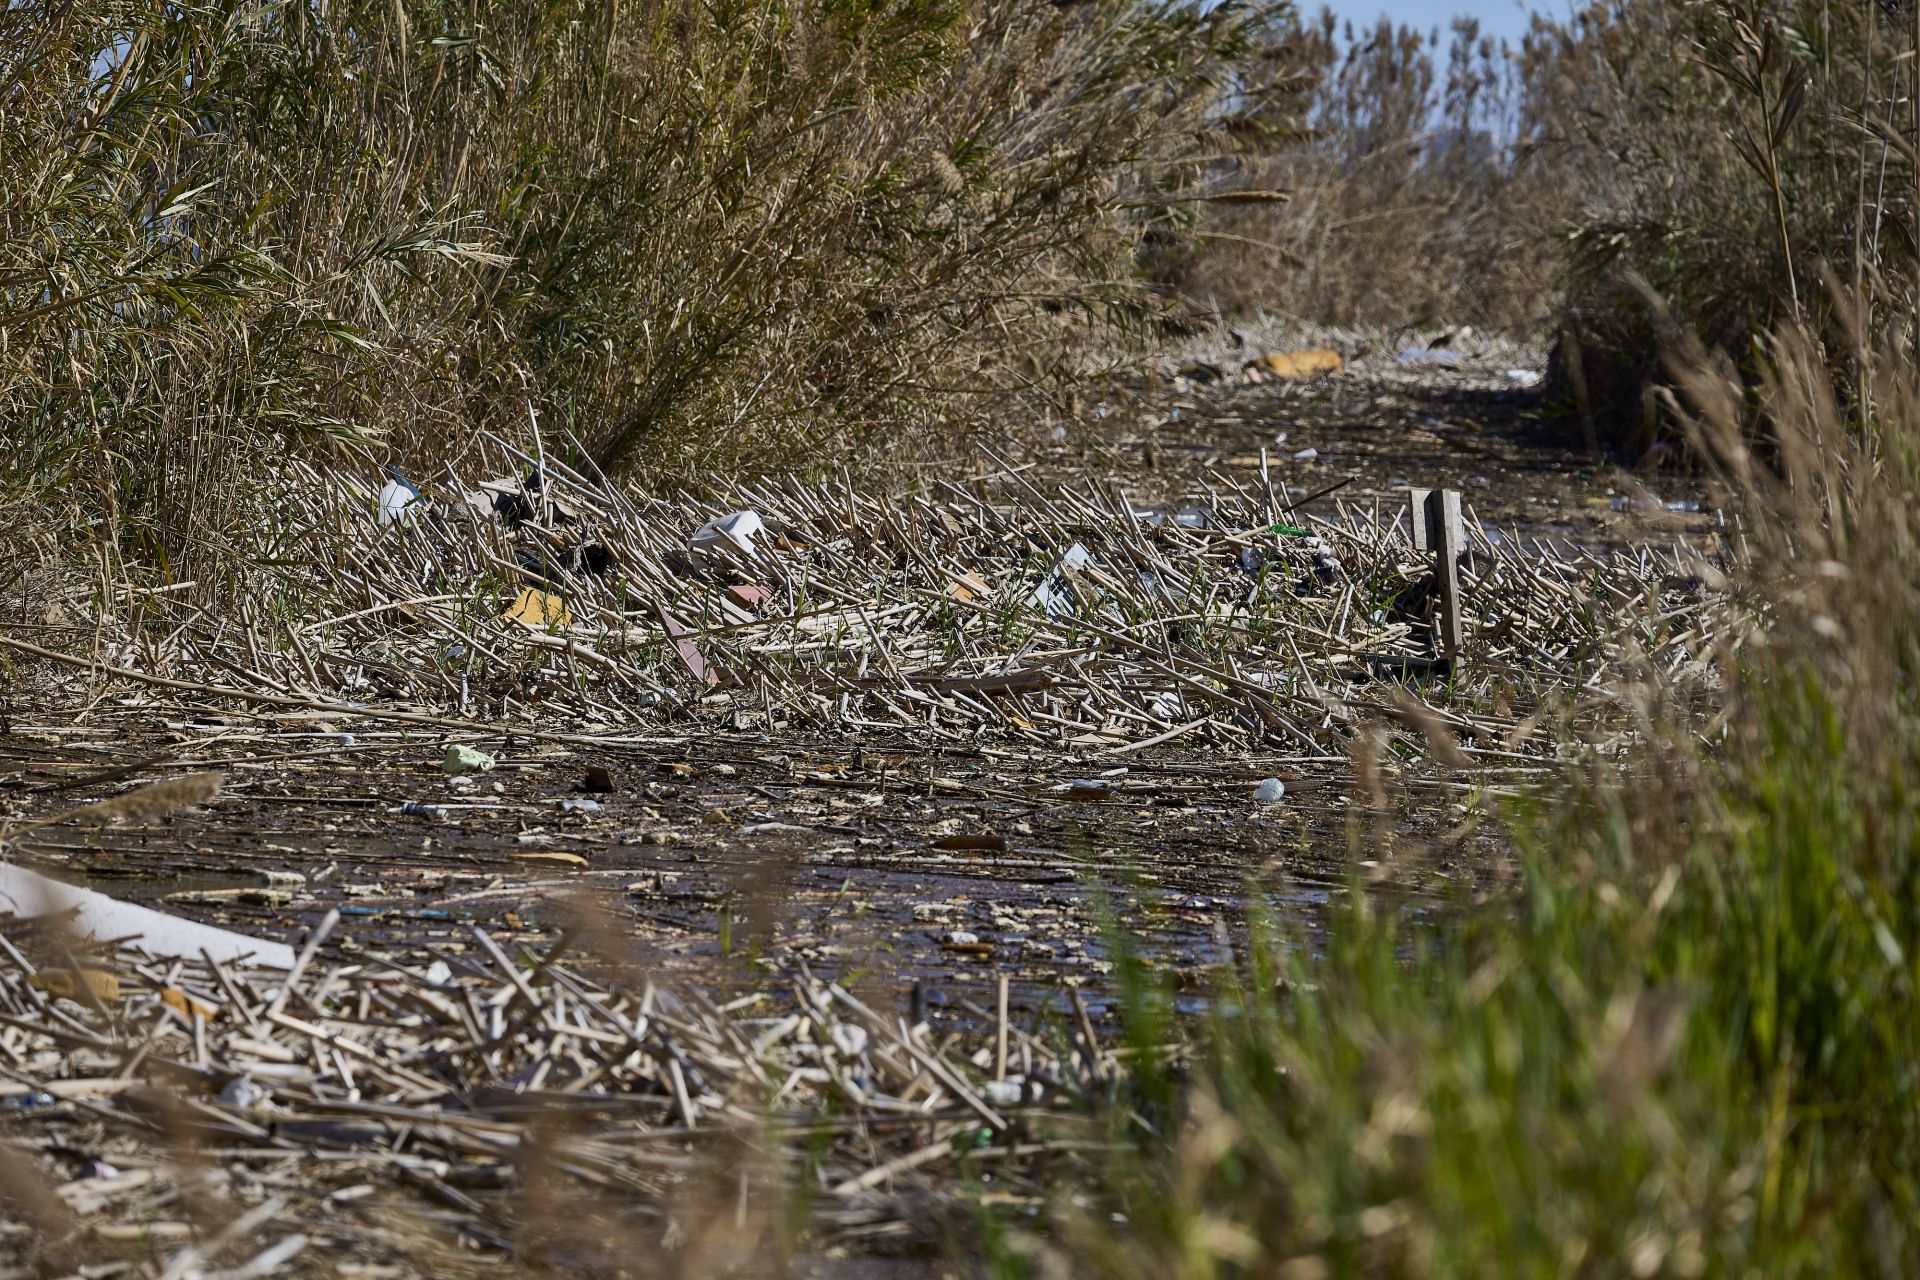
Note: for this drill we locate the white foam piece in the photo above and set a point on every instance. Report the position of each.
(96, 916)
(396, 503)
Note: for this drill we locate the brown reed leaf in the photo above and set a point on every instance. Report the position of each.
(1440, 740)
(62, 983)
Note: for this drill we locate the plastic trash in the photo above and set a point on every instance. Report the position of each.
(435, 812)
(1053, 594)
(1269, 791)
(572, 805)
(464, 759)
(1295, 364)
(241, 1091)
(26, 893)
(1524, 377)
(1010, 1092)
(734, 531)
(398, 498)
(850, 1039)
(1306, 455)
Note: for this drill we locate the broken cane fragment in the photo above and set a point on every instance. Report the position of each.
(978, 843)
(569, 859)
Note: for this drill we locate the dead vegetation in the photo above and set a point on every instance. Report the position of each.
(552, 259)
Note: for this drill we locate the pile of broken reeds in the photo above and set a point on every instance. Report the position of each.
(203, 1118)
(983, 606)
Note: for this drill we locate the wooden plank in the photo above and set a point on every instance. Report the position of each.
(1422, 538)
(1446, 535)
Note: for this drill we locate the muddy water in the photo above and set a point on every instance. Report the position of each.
(729, 860)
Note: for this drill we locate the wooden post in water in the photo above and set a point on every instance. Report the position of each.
(1437, 528)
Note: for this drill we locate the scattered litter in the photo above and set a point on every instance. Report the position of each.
(398, 498)
(1294, 364)
(689, 652)
(1055, 592)
(1269, 791)
(539, 609)
(412, 809)
(849, 1039)
(748, 597)
(464, 759)
(1525, 377)
(969, 586)
(28, 894)
(1306, 455)
(574, 805)
(732, 532)
(242, 1092)
(1004, 1093)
